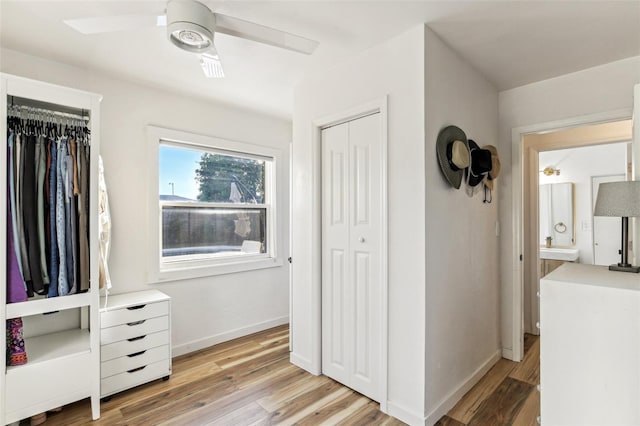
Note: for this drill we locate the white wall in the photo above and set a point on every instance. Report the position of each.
(462, 297)
(206, 310)
(443, 289)
(578, 165)
(394, 69)
(596, 90)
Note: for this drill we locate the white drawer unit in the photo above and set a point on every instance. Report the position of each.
(135, 340)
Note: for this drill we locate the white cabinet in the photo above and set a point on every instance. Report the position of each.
(590, 346)
(135, 340)
(63, 356)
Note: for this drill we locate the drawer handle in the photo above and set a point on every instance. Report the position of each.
(133, 339)
(133, 308)
(136, 369)
(135, 323)
(136, 354)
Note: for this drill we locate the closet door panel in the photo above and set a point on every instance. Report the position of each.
(336, 291)
(365, 221)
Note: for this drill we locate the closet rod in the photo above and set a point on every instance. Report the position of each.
(41, 113)
(33, 106)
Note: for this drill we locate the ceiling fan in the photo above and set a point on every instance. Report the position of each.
(191, 26)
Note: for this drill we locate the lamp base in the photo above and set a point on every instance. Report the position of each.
(624, 268)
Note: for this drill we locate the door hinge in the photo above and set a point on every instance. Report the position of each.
(290, 260)
(520, 258)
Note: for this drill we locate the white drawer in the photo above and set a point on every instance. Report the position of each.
(134, 344)
(133, 329)
(134, 360)
(58, 381)
(135, 377)
(133, 313)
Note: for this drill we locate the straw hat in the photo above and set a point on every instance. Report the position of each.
(495, 167)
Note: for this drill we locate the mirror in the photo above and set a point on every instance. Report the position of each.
(556, 214)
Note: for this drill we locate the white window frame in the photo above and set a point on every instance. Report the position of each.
(195, 266)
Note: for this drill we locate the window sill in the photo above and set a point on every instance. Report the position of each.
(185, 272)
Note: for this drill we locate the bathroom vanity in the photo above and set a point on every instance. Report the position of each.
(553, 257)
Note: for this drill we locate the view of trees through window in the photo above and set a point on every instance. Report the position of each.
(216, 173)
(190, 180)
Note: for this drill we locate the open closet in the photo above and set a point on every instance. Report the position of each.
(49, 299)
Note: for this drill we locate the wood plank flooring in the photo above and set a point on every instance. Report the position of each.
(249, 381)
(506, 395)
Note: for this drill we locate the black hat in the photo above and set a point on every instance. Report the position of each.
(453, 154)
(480, 164)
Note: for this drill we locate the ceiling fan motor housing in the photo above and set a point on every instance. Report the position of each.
(190, 25)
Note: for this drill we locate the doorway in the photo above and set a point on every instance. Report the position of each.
(565, 206)
(527, 144)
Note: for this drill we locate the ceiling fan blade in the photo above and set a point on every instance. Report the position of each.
(108, 24)
(260, 33)
(211, 64)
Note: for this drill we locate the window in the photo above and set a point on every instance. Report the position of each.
(215, 204)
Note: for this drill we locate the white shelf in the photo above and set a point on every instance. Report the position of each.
(54, 346)
(40, 306)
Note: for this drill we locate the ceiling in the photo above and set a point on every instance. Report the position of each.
(511, 42)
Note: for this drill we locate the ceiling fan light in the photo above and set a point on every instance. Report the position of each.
(190, 25)
(190, 37)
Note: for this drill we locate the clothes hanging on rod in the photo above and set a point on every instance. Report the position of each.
(47, 210)
(48, 173)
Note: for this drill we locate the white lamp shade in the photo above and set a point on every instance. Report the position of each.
(620, 199)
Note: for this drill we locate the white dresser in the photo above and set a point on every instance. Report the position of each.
(589, 346)
(135, 340)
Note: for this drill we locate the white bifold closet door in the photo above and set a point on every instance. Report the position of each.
(351, 284)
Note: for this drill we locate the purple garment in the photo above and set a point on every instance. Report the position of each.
(15, 285)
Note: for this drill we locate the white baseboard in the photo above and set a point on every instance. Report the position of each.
(405, 415)
(450, 400)
(206, 342)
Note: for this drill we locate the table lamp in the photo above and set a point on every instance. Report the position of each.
(620, 199)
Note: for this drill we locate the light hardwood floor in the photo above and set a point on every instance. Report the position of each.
(249, 381)
(506, 395)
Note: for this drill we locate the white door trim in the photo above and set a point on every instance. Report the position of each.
(635, 162)
(517, 179)
(376, 106)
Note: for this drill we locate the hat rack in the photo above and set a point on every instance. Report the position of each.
(462, 159)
